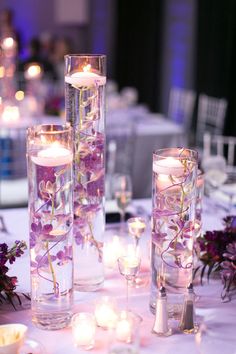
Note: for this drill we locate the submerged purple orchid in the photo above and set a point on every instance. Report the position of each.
(38, 230)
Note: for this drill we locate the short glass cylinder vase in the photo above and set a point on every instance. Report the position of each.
(173, 217)
(85, 109)
(50, 180)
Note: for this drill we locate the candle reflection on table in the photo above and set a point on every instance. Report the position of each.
(112, 250)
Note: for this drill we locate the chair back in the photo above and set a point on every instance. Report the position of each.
(220, 145)
(210, 117)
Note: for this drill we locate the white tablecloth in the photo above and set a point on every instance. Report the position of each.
(219, 318)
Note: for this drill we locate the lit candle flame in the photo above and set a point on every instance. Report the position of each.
(87, 68)
(33, 71)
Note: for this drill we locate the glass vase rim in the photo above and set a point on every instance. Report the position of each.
(74, 55)
(192, 153)
(66, 127)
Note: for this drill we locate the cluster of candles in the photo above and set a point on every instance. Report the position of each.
(106, 314)
(107, 317)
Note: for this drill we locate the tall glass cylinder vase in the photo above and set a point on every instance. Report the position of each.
(173, 217)
(50, 157)
(85, 109)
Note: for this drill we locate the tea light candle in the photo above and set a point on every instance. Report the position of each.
(136, 226)
(112, 250)
(105, 312)
(130, 264)
(83, 330)
(54, 155)
(85, 78)
(124, 328)
(11, 337)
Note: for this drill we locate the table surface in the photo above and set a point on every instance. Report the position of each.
(218, 318)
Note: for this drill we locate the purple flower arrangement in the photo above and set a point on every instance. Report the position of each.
(218, 254)
(89, 179)
(8, 283)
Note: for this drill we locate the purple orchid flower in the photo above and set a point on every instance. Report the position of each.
(38, 230)
(41, 262)
(64, 256)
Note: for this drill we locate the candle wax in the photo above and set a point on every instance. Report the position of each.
(54, 155)
(85, 78)
(168, 166)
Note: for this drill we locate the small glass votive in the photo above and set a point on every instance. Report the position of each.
(83, 330)
(12, 336)
(136, 226)
(125, 337)
(106, 312)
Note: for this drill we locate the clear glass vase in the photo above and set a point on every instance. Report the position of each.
(50, 157)
(173, 218)
(85, 109)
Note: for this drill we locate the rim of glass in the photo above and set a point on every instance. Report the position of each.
(85, 55)
(191, 153)
(38, 128)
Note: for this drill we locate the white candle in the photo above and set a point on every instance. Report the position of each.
(168, 166)
(84, 329)
(124, 328)
(105, 313)
(10, 115)
(54, 155)
(166, 170)
(85, 78)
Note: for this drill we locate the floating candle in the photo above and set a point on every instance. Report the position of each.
(54, 155)
(168, 166)
(167, 169)
(85, 78)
